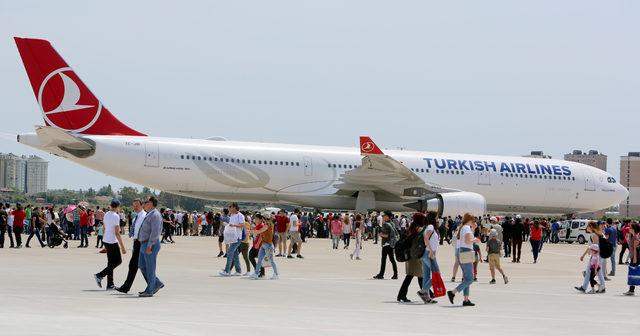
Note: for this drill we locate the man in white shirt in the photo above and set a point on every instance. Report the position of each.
(138, 217)
(233, 237)
(294, 235)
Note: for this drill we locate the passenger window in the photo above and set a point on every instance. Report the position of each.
(575, 225)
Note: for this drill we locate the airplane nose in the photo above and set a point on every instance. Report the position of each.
(622, 192)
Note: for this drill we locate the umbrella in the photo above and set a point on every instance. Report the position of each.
(69, 209)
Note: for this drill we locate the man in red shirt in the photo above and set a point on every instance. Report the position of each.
(19, 216)
(281, 230)
(84, 227)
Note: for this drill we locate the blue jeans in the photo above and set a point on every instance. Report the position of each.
(428, 265)
(613, 258)
(83, 235)
(467, 274)
(147, 265)
(587, 274)
(233, 257)
(76, 226)
(266, 250)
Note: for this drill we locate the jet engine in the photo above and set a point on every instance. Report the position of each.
(453, 204)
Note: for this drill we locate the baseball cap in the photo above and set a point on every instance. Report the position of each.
(115, 203)
(493, 233)
(493, 219)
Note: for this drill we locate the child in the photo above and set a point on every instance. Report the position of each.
(594, 265)
(476, 249)
(100, 234)
(493, 251)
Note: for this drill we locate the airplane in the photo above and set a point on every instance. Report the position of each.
(78, 127)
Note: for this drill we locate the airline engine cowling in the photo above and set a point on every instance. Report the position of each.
(456, 203)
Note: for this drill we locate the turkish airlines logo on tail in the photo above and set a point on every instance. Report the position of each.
(66, 102)
(367, 147)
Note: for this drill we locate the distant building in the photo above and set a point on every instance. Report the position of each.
(23, 174)
(36, 175)
(630, 178)
(537, 155)
(593, 158)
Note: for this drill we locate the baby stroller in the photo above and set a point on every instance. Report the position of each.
(57, 237)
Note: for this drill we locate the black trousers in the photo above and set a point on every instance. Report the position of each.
(507, 247)
(624, 248)
(517, 249)
(10, 233)
(253, 254)
(346, 238)
(2, 231)
(17, 231)
(402, 294)
(36, 232)
(114, 259)
(387, 251)
(133, 267)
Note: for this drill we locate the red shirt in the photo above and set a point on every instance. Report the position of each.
(257, 240)
(18, 218)
(536, 234)
(281, 223)
(84, 218)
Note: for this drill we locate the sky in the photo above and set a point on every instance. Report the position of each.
(485, 77)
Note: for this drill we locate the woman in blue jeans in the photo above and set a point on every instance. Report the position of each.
(429, 262)
(265, 232)
(465, 247)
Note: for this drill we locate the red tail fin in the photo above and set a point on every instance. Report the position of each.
(65, 101)
(368, 147)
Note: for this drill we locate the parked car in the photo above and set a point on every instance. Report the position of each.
(574, 230)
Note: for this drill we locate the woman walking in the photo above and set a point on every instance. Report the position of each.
(244, 245)
(413, 266)
(346, 231)
(266, 250)
(535, 239)
(633, 239)
(336, 230)
(359, 226)
(111, 242)
(465, 258)
(596, 233)
(431, 238)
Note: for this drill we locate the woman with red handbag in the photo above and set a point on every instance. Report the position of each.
(429, 262)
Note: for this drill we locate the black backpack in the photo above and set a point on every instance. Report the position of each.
(403, 248)
(606, 248)
(418, 247)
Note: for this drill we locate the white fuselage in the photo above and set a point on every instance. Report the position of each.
(305, 175)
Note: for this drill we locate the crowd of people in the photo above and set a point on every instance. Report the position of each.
(260, 237)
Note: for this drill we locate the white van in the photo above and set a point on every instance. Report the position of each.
(574, 230)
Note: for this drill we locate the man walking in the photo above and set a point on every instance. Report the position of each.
(112, 241)
(149, 237)
(139, 215)
(3, 225)
(611, 233)
(35, 227)
(84, 226)
(389, 237)
(19, 216)
(233, 237)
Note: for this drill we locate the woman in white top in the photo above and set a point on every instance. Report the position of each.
(359, 226)
(429, 262)
(346, 231)
(465, 249)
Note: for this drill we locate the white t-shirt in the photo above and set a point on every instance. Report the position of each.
(111, 224)
(435, 238)
(346, 228)
(138, 223)
(294, 223)
(233, 234)
(466, 229)
(10, 217)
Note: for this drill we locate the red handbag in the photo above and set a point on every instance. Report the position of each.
(438, 285)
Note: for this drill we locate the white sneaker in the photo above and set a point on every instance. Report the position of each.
(275, 277)
(224, 274)
(254, 276)
(247, 274)
(591, 291)
(236, 274)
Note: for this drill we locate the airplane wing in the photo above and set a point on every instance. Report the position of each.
(380, 172)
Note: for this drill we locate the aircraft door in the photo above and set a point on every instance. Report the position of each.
(152, 154)
(589, 181)
(484, 178)
(308, 166)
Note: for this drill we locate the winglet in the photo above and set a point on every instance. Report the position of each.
(368, 147)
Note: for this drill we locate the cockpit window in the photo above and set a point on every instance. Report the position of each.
(611, 180)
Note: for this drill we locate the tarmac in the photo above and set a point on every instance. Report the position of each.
(52, 292)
